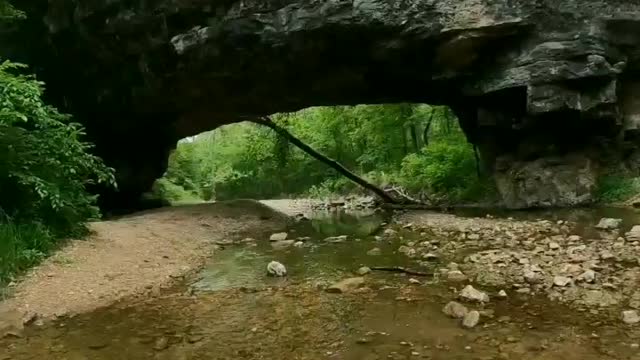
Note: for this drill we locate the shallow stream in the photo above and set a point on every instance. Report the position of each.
(232, 310)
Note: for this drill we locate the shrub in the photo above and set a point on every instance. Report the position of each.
(616, 188)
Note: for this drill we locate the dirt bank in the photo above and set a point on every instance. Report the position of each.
(134, 256)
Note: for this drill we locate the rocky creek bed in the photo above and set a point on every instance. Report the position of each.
(496, 288)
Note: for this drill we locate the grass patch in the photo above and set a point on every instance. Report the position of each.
(21, 247)
(615, 188)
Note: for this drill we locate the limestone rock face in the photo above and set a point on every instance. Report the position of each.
(538, 86)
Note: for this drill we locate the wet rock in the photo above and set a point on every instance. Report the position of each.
(364, 270)
(275, 268)
(634, 300)
(336, 239)
(430, 257)
(408, 251)
(469, 293)
(554, 245)
(414, 281)
(278, 236)
(502, 294)
(346, 285)
(588, 276)
(455, 310)
(608, 224)
(374, 252)
(630, 317)
(471, 319)
(456, 276)
(389, 232)
(298, 244)
(561, 281)
(282, 244)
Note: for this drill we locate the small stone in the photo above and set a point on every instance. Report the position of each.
(161, 344)
(471, 319)
(430, 256)
(346, 285)
(608, 224)
(574, 238)
(471, 294)
(364, 270)
(456, 276)
(502, 294)
(532, 277)
(298, 244)
(630, 317)
(374, 252)
(588, 276)
(278, 236)
(390, 232)
(275, 268)
(455, 310)
(336, 239)
(561, 281)
(524, 290)
(554, 245)
(414, 281)
(606, 255)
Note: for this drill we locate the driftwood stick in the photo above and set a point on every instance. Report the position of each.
(401, 269)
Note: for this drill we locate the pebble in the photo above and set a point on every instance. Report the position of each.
(430, 256)
(364, 270)
(275, 268)
(456, 276)
(298, 244)
(630, 317)
(278, 236)
(374, 252)
(414, 281)
(502, 294)
(472, 294)
(471, 319)
(588, 276)
(161, 343)
(554, 246)
(455, 310)
(390, 232)
(561, 281)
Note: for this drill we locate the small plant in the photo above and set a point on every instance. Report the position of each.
(617, 188)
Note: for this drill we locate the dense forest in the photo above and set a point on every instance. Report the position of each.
(418, 148)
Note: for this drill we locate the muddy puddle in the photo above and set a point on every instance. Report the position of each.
(232, 310)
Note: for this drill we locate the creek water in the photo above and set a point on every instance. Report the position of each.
(232, 310)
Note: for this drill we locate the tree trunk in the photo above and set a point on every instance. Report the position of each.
(266, 121)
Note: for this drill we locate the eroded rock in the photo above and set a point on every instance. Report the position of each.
(471, 319)
(275, 268)
(609, 224)
(455, 310)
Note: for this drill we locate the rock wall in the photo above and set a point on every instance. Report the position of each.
(529, 79)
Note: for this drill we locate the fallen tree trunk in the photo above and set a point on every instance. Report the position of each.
(266, 121)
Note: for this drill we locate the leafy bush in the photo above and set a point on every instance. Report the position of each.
(165, 189)
(44, 165)
(617, 188)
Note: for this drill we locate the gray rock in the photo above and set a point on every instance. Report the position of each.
(364, 270)
(389, 233)
(561, 281)
(456, 276)
(554, 245)
(608, 224)
(275, 268)
(455, 310)
(278, 236)
(298, 244)
(430, 257)
(469, 293)
(502, 294)
(630, 317)
(336, 239)
(588, 276)
(346, 285)
(532, 277)
(634, 233)
(374, 252)
(471, 319)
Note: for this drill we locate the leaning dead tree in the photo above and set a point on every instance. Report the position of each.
(281, 131)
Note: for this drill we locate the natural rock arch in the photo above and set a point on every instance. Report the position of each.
(539, 86)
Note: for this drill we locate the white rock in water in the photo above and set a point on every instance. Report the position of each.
(336, 239)
(278, 236)
(471, 319)
(455, 310)
(298, 244)
(364, 270)
(609, 224)
(276, 269)
(471, 294)
(502, 294)
(630, 317)
(561, 281)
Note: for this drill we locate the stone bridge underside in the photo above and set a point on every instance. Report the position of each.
(544, 88)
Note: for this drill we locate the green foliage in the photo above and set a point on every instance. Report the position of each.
(617, 188)
(175, 194)
(44, 165)
(45, 168)
(22, 246)
(418, 147)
